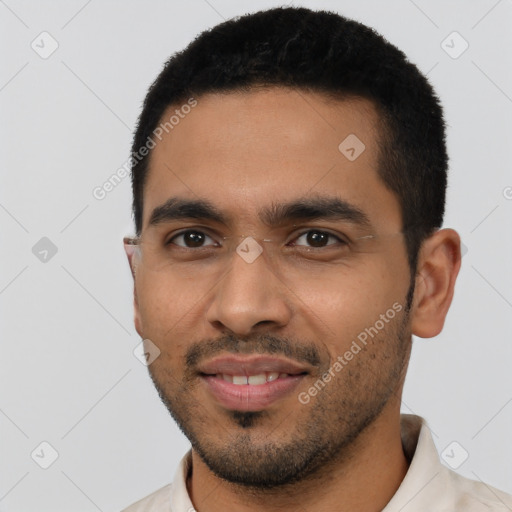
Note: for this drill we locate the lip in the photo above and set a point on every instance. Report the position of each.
(248, 397)
(250, 365)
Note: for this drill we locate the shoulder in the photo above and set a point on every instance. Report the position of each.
(471, 495)
(430, 485)
(158, 501)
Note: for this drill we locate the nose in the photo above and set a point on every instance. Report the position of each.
(248, 297)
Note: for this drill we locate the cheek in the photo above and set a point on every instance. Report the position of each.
(344, 306)
(165, 305)
(163, 312)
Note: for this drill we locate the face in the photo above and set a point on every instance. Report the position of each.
(272, 367)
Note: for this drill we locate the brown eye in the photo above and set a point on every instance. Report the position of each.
(317, 238)
(189, 239)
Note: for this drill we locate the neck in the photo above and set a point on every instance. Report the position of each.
(365, 479)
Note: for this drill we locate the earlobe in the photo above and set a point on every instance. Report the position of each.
(130, 254)
(438, 266)
(129, 250)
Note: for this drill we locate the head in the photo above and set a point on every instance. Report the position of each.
(274, 125)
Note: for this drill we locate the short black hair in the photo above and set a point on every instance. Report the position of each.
(323, 52)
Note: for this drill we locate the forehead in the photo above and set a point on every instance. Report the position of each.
(243, 151)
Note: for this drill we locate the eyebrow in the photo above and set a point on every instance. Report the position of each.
(277, 214)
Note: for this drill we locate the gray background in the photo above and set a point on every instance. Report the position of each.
(68, 373)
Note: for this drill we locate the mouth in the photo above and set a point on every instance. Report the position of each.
(253, 380)
(250, 383)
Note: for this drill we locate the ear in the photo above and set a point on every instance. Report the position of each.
(438, 266)
(130, 251)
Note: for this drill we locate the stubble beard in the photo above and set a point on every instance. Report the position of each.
(249, 454)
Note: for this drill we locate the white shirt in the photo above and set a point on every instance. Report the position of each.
(428, 486)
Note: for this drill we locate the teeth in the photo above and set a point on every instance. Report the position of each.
(254, 380)
(257, 380)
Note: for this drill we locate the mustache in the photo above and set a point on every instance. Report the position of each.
(260, 344)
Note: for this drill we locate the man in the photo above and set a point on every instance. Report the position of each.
(289, 175)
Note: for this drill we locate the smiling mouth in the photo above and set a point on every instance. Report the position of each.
(253, 380)
(251, 392)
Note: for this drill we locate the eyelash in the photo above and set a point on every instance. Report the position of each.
(302, 233)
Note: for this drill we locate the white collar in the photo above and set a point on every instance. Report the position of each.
(427, 486)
